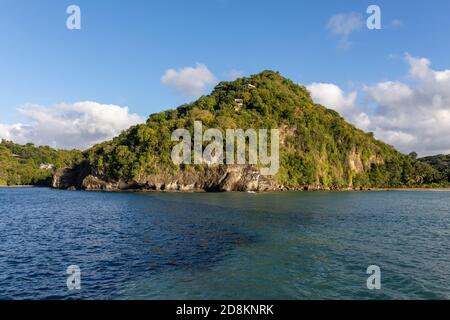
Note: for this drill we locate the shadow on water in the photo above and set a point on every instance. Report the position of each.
(174, 235)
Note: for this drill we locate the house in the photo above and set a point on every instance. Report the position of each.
(46, 166)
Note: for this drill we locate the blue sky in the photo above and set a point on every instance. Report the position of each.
(125, 47)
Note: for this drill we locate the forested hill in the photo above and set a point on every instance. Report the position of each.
(31, 165)
(318, 148)
(439, 162)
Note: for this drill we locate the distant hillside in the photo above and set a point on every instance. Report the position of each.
(318, 148)
(30, 165)
(440, 162)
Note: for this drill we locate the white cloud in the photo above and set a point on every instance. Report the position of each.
(398, 92)
(9, 132)
(190, 81)
(420, 70)
(79, 125)
(412, 116)
(332, 96)
(398, 138)
(420, 111)
(344, 24)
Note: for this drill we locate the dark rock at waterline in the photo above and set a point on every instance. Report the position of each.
(217, 178)
(70, 178)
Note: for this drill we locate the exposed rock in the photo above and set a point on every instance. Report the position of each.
(354, 161)
(94, 183)
(219, 178)
(65, 178)
(70, 178)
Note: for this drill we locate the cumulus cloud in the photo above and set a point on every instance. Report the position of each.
(412, 115)
(331, 95)
(79, 125)
(344, 24)
(419, 112)
(398, 92)
(189, 81)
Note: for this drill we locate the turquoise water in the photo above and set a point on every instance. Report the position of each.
(224, 246)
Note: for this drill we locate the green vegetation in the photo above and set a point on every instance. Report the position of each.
(318, 148)
(30, 165)
(440, 162)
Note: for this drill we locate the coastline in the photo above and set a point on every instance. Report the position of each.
(442, 189)
(419, 189)
(437, 189)
(413, 189)
(21, 186)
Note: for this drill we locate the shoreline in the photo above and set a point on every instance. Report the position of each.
(21, 187)
(420, 189)
(412, 189)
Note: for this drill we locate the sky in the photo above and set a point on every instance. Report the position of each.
(71, 88)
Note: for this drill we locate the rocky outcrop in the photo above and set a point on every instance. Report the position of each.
(65, 178)
(70, 178)
(219, 178)
(354, 161)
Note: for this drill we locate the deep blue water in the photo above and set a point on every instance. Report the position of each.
(224, 246)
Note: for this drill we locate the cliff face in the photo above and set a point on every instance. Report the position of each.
(214, 178)
(318, 148)
(210, 178)
(66, 178)
(71, 178)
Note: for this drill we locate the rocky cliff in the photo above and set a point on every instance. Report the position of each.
(211, 178)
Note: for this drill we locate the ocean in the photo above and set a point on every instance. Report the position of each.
(293, 245)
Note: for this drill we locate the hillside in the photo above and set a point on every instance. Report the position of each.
(30, 165)
(439, 162)
(318, 148)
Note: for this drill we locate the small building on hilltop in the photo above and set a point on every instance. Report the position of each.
(46, 166)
